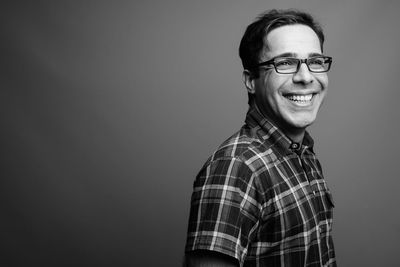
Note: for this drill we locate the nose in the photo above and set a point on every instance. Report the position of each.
(303, 75)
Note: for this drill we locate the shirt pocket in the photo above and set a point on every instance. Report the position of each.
(328, 204)
(329, 199)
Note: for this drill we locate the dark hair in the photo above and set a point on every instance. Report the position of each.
(252, 42)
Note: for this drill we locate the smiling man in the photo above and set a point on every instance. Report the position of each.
(261, 199)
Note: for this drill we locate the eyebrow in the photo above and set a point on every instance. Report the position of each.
(290, 54)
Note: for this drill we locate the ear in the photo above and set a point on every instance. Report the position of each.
(249, 82)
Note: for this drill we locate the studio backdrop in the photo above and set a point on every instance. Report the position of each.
(108, 109)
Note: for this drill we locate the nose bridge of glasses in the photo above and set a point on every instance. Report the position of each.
(301, 61)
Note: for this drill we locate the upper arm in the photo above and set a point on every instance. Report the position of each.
(225, 208)
(204, 258)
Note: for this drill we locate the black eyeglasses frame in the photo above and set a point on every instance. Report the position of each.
(299, 62)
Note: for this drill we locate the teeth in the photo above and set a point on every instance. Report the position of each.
(300, 98)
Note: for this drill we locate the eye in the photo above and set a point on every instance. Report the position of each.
(316, 61)
(284, 63)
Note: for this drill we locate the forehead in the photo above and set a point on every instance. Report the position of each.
(297, 39)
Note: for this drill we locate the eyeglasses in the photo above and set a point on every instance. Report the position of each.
(289, 65)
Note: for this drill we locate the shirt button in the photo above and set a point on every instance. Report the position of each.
(295, 145)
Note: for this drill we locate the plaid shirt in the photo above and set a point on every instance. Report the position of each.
(262, 199)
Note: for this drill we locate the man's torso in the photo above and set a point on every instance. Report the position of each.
(262, 201)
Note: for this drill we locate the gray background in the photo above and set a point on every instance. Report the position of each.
(109, 108)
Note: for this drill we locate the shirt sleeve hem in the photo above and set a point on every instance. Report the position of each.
(218, 249)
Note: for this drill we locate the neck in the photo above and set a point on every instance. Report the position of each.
(294, 134)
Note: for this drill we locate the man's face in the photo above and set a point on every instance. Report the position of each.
(285, 97)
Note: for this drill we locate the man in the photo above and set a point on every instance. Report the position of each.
(261, 199)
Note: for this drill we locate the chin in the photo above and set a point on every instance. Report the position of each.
(301, 123)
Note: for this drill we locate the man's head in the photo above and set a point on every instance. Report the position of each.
(253, 44)
(282, 87)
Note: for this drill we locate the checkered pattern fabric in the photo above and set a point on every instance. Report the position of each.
(262, 199)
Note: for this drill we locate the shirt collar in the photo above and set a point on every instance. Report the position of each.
(274, 137)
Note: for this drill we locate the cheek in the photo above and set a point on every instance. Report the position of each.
(324, 81)
(273, 82)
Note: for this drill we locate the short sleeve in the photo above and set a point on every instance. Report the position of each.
(225, 208)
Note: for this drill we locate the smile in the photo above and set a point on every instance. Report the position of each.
(300, 99)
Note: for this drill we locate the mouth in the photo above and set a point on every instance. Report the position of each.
(300, 99)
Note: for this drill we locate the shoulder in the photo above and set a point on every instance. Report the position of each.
(242, 161)
(245, 148)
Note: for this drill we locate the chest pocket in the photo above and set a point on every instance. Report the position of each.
(329, 199)
(325, 206)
